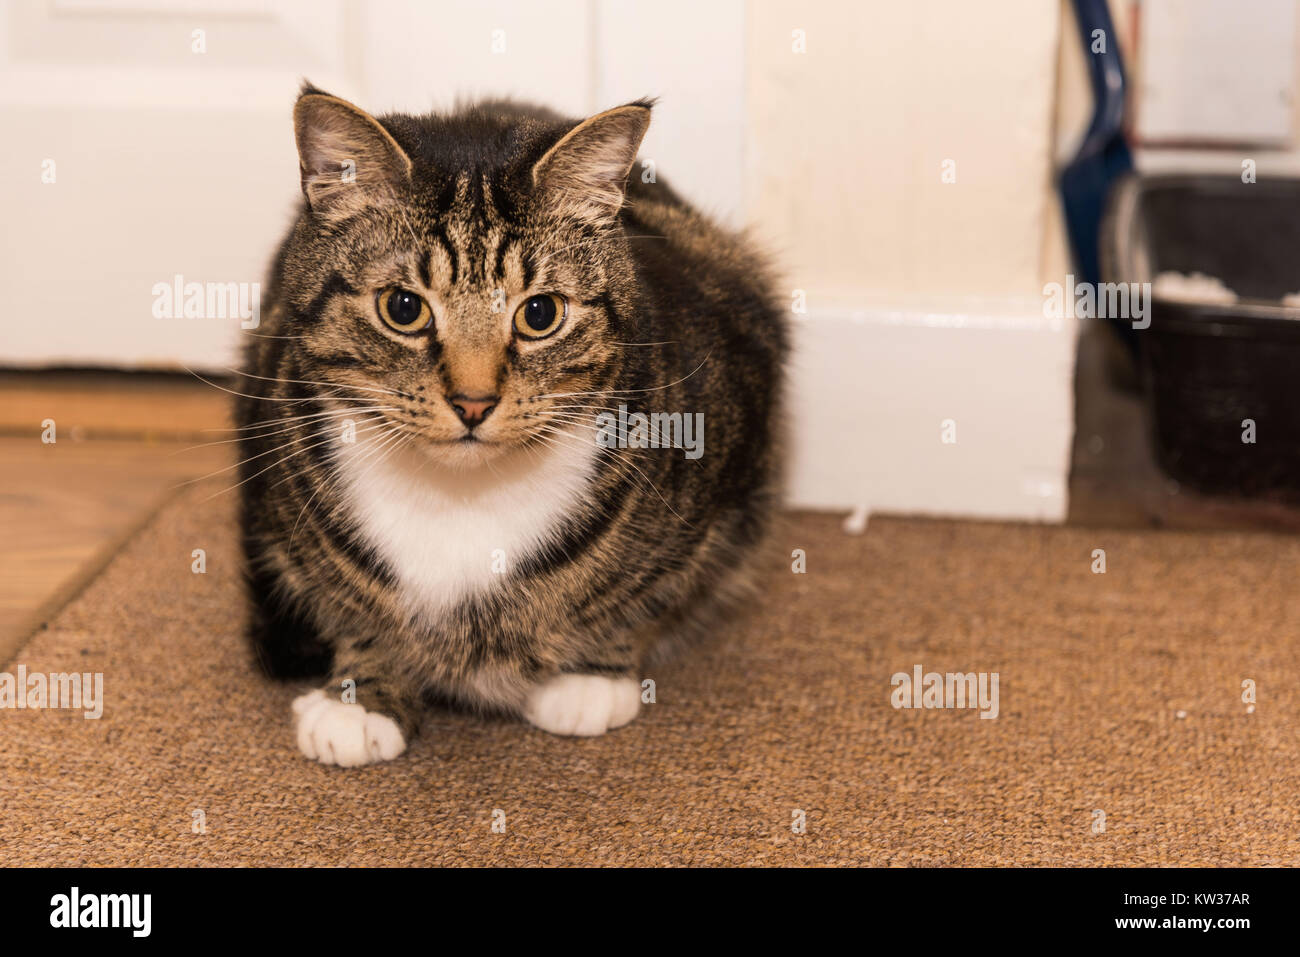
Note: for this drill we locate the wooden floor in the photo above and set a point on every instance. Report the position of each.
(123, 445)
(126, 442)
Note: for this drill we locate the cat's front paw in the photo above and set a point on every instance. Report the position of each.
(332, 732)
(583, 704)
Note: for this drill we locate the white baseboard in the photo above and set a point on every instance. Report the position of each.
(870, 390)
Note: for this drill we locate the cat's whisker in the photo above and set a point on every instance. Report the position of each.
(319, 488)
(620, 464)
(581, 421)
(616, 392)
(593, 409)
(332, 385)
(285, 419)
(554, 432)
(271, 398)
(578, 420)
(273, 449)
(366, 415)
(279, 461)
(536, 446)
(390, 444)
(332, 482)
(578, 405)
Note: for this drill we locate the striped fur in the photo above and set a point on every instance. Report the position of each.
(366, 559)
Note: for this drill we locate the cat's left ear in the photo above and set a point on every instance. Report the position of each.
(348, 160)
(585, 173)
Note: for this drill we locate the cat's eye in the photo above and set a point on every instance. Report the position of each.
(539, 316)
(404, 310)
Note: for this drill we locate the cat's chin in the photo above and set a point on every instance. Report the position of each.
(463, 456)
(497, 456)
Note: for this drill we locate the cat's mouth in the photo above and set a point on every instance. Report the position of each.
(469, 438)
(472, 449)
(468, 451)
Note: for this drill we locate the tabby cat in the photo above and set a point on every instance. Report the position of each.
(432, 505)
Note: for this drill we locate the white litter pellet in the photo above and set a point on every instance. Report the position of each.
(1197, 287)
(856, 522)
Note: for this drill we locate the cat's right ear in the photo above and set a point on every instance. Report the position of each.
(348, 161)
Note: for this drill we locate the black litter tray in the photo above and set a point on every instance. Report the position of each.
(1206, 367)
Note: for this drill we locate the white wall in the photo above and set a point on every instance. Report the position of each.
(848, 141)
(924, 297)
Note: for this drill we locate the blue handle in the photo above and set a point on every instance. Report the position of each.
(1103, 157)
(1106, 70)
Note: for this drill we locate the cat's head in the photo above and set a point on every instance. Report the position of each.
(464, 276)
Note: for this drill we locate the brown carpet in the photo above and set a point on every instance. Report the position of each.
(1119, 693)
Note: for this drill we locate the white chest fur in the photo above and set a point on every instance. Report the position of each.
(449, 534)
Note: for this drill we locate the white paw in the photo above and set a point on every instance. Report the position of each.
(583, 704)
(348, 735)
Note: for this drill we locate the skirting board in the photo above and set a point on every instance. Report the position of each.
(871, 393)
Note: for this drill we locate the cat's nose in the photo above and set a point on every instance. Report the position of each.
(472, 411)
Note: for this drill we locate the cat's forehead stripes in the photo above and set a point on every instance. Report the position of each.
(461, 196)
(477, 239)
(422, 264)
(443, 260)
(498, 201)
(460, 235)
(455, 249)
(513, 267)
